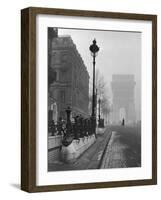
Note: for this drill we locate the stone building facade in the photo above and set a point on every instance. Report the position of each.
(68, 77)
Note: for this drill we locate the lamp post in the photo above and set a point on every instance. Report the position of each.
(68, 111)
(99, 110)
(94, 50)
(68, 123)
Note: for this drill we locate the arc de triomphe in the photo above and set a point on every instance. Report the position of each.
(123, 97)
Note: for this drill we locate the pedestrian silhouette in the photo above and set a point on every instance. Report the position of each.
(123, 122)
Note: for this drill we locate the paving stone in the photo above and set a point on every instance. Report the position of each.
(124, 148)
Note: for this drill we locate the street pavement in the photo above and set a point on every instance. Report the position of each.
(124, 148)
(90, 159)
(117, 147)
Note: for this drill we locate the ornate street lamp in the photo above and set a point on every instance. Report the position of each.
(68, 111)
(99, 112)
(68, 124)
(94, 50)
(68, 137)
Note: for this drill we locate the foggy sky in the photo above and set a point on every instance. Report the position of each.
(120, 53)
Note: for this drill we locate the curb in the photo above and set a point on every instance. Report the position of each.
(104, 151)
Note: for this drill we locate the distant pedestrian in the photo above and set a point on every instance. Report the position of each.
(123, 122)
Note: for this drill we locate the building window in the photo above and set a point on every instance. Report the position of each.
(55, 76)
(62, 96)
(50, 114)
(52, 76)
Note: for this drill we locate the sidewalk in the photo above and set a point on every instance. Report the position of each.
(90, 159)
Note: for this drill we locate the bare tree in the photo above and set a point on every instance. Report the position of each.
(102, 93)
(106, 108)
(100, 84)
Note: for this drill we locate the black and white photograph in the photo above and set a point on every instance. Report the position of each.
(94, 99)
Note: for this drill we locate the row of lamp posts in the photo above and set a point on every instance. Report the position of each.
(94, 51)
